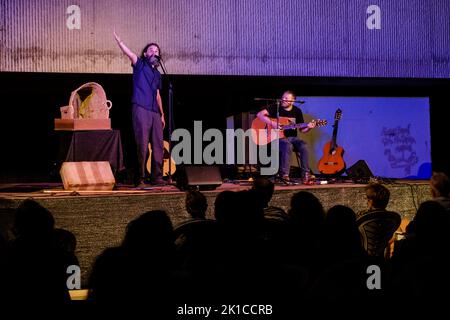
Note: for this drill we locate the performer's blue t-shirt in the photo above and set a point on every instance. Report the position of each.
(146, 82)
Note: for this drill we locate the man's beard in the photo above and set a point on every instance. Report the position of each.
(153, 61)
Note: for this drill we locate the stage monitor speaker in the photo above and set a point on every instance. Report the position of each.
(359, 172)
(87, 175)
(201, 177)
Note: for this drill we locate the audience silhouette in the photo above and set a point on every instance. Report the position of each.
(259, 253)
(306, 229)
(342, 240)
(420, 261)
(140, 272)
(194, 237)
(440, 189)
(265, 188)
(377, 198)
(36, 260)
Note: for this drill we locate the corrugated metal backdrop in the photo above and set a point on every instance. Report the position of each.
(231, 37)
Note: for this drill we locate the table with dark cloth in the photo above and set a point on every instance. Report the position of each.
(92, 145)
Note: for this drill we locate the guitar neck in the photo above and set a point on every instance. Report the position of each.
(295, 126)
(335, 129)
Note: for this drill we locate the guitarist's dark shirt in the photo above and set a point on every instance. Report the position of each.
(295, 113)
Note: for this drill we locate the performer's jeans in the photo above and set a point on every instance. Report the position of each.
(147, 127)
(287, 145)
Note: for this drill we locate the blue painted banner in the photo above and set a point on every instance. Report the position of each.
(391, 134)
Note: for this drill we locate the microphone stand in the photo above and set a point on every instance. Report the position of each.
(277, 101)
(278, 113)
(170, 127)
(278, 105)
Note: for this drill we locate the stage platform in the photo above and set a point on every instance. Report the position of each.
(98, 219)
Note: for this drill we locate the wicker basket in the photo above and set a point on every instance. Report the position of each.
(87, 102)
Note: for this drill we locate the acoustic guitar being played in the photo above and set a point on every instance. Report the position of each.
(263, 134)
(332, 162)
(165, 160)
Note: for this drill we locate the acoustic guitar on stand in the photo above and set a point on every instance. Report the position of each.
(166, 156)
(263, 134)
(332, 161)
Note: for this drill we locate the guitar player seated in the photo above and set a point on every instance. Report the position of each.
(290, 142)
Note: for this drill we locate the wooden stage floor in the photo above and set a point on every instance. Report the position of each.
(98, 219)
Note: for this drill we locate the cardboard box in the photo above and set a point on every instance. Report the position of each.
(82, 124)
(87, 175)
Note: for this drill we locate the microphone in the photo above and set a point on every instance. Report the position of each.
(154, 60)
(280, 100)
(295, 101)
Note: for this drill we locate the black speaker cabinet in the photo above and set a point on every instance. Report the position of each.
(360, 172)
(201, 177)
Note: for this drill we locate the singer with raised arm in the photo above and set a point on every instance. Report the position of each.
(147, 110)
(288, 141)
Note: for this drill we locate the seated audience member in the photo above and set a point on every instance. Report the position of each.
(421, 260)
(67, 242)
(265, 188)
(241, 255)
(194, 238)
(306, 229)
(196, 204)
(440, 189)
(36, 267)
(140, 272)
(377, 198)
(342, 240)
(3, 244)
